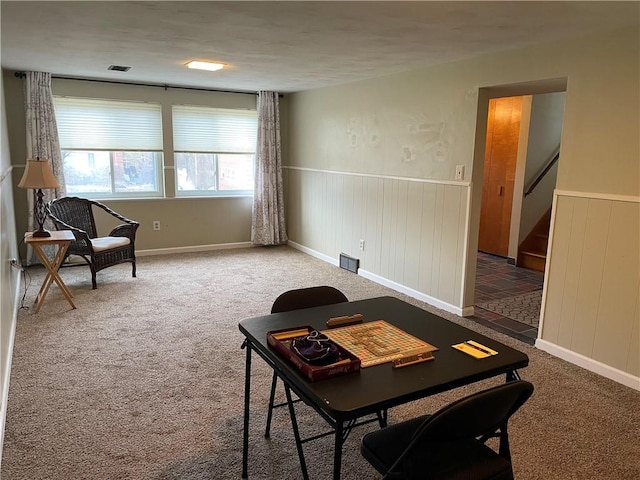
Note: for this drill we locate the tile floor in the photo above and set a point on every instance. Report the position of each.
(496, 279)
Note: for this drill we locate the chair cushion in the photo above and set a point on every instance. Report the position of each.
(464, 460)
(107, 243)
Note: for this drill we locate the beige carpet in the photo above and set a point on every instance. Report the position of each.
(145, 381)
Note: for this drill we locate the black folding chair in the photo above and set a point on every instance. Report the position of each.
(296, 300)
(450, 444)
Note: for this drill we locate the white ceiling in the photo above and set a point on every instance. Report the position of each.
(281, 46)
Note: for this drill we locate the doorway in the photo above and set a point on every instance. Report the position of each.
(506, 295)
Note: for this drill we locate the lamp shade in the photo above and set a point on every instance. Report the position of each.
(38, 174)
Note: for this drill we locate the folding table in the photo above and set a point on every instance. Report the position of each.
(341, 400)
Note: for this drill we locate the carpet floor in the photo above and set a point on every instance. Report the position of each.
(144, 380)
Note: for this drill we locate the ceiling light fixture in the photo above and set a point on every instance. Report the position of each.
(205, 65)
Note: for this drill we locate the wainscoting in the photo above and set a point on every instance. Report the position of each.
(591, 302)
(414, 231)
(415, 236)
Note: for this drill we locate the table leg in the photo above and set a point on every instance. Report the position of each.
(247, 393)
(52, 268)
(56, 264)
(382, 417)
(512, 375)
(296, 432)
(337, 450)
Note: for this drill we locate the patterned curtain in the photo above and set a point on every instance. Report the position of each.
(268, 224)
(42, 136)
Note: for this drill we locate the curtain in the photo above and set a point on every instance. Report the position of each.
(268, 223)
(42, 137)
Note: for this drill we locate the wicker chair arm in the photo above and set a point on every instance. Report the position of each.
(116, 214)
(125, 230)
(78, 233)
(82, 244)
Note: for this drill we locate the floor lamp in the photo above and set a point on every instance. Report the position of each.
(39, 175)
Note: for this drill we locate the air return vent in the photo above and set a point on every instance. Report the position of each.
(119, 68)
(349, 263)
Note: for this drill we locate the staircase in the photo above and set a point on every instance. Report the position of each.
(532, 252)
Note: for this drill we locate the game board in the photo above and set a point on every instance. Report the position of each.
(378, 342)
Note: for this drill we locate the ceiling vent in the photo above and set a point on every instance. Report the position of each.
(119, 68)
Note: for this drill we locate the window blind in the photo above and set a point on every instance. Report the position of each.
(214, 130)
(90, 124)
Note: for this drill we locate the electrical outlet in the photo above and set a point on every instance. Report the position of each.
(15, 264)
(459, 172)
(361, 245)
(156, 224)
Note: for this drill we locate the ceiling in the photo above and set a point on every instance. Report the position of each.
(281, 46)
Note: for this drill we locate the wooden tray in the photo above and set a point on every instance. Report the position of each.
(281, 341)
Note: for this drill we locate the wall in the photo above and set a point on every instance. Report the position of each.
(413, 230)
(417, 126)
(186, 223)
(9, 277)
(545, 130)
(592, 306)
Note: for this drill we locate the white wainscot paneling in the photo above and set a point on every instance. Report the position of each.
(413, 230)
(591, 313)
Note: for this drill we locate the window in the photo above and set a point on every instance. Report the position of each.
(214, 150)
(110, 148)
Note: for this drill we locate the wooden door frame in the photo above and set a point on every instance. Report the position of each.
(484, 95)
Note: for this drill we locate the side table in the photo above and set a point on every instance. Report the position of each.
(62, 239)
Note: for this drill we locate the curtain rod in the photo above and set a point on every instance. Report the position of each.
(165, 86)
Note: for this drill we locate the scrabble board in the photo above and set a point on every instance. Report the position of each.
(378, 342)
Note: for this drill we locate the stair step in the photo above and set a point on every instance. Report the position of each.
(536, 254)
(533, 260)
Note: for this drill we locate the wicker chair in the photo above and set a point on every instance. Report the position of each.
(76, 214)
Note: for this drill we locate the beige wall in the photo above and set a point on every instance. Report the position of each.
(593, 302)
(9, 278)
(545, 129)
(186, 222)
(420, 124)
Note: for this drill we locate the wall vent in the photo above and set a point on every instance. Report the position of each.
(349, 263)
(119, 68)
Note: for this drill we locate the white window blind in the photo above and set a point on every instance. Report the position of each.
(214, 130)
(90, 124)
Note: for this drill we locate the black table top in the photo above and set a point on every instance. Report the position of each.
(381, 386)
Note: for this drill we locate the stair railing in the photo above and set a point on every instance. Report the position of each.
(543, 172)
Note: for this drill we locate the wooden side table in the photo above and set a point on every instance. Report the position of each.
(62, 239)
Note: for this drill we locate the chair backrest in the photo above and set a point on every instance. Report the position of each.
(74, 211)
(307, 298)
(479, 414)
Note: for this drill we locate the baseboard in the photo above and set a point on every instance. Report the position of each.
(313, 253)
(6, 362)
(412, 293)
(192, 249)
(388, 283)
(589, 364)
